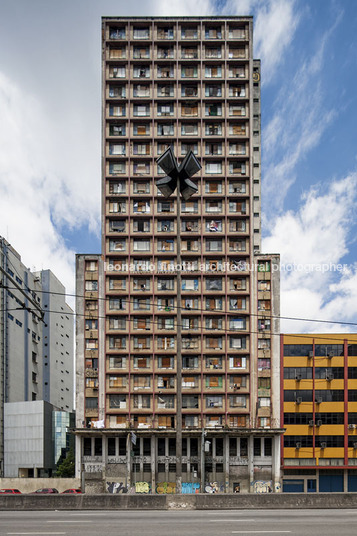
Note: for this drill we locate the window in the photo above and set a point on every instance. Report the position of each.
(91, 286)
(117, 110)
(190, 284)
(141, 226)
(214, 401)
(189, 110)
(237, 109)
(117, 362)
(165, 206)
(237, 362)
(189, 33)
(189, 71)
(141, 33)
(213, 322)
(237, 129)
(117, 304)
(141, 130)
(117, 342)
(165, 109)
(165, 129)
(213, 91)
(117, 72)
(141, 206)
(213, 129)
(116, 226)
(189, 207)
(189, 53)
(142, 343)
(141, 244)
(141, 71)
(237, 342)
(213, 52)
(91, 403)
(165, 343)
(165, 90)
(213, 245)
(165, 33)
(165, 71)
(237, 323)
(189, 129)
(141, 110)
(142, 382)
(116, 322)
(213, 304)
(165, 52)
(189, 90)
(116, 130)
(213, 167)
(165, 362)
(117, 245)
(116, 91)
(141, 304)
(237, 91)
(141, 168)
(213, 206)
(166, 323)
(213, 71)
(213, 110)
(214, 382)
(236, 72)
(117, 33)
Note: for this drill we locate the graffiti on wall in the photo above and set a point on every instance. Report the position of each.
(165, 487)
(116, 487)
(142, 487)
(214, 487)
(190, 487)
(262, 486)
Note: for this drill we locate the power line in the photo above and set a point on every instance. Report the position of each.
(198, 309)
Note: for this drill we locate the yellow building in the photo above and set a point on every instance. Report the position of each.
(319, 412)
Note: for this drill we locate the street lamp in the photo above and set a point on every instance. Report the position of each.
(178, 177)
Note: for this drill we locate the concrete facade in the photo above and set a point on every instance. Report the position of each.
(192, 352)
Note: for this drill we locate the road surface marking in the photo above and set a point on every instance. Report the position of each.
(261, 531)
(65, 521)
(35, 533)
(229, 520)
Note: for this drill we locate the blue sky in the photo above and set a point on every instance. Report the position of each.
(50, 137)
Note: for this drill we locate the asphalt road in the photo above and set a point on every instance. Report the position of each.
(179, 523)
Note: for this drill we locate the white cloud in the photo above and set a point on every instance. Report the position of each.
(275, 23)
(38, 192)
(296, 126)
(312, 242)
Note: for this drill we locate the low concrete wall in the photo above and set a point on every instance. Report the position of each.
(28, 485)
(188, 502)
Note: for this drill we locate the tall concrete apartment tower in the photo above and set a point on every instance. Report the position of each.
(190, 83)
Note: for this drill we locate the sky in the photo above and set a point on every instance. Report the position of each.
(50, 148)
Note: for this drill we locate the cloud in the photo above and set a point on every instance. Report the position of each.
(39, 194)
(275, 24)
(313, 242)
(296, 126)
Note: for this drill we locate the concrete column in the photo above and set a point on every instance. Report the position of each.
(78, 460)
(251, 462)
(226, 462)
(202, 461)
(276, 476)
(345, 480)
(128, 461)
(153, 464)
(104, 455)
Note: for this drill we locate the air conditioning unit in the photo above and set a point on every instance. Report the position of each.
(298, 400)
(298, 445)
(355, 445)
(329, 376)
(311, 423)
(311, 354)
(318, 399)
(297, 377)
(351, 426)
(329, 355)
(318, 423)
(324, 445)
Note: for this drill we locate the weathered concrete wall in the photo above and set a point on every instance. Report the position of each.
(166, 502)
(28, 485)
